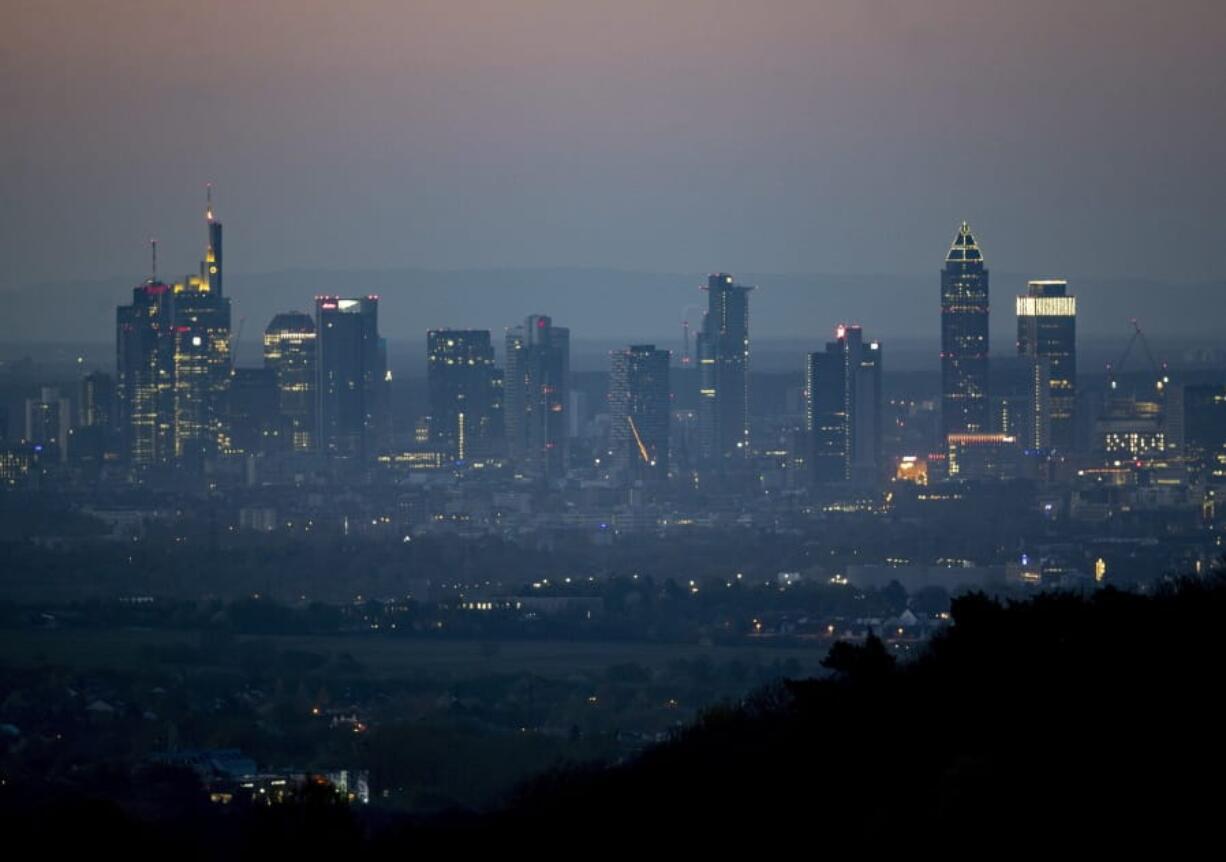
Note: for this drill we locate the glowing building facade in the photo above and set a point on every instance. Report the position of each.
(290, 352)
(201, 355)
(984, 456)
(1047, 336)
(964, 338)
(144, 382)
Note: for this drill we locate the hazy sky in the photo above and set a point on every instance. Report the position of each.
(1078, 136)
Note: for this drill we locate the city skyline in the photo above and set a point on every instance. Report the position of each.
(662, 420)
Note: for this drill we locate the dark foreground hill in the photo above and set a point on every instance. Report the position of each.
(1094, 716)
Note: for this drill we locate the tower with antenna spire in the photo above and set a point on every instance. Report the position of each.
(211, 266)
(202, 355)
(144, 365)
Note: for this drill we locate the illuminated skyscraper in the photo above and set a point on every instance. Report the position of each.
(1047, 335)
(289, 350)
(351, 392)
(639, 406)
(465, 392)
(144, 383)
(723, 361)
(964, 338)
(210, 267)
(843, 414)
(202, 358)
(537, 385)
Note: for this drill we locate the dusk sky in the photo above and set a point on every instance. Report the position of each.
(1079, 138)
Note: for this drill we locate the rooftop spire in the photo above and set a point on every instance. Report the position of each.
(153, 251)
(964, 248)
(208, 197)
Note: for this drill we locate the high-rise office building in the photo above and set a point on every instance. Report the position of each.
(1199, 426)
(144, 390)
(94, 438)
(252, 414)
(97, 408)
(465, 392)
(640, 406)
(201, 358)
(964, 338)
(202, 355)
(723, 361)
(47, 423)
(536, 396)
(352, 389)
(290, 352)
(210, 267)
(1047, 335)
(843, 411)
(173, 363)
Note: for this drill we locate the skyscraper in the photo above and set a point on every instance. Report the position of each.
(825, 415)
(537, 385)
(639, 407)
(97, 408)
(94, 437)
(202, 358)
(47, 423)
(144, 348)
(290, 351)
(964, 338)
(843, 414)
(465, 392)
(352, 383)
(252, 416)
(723, 360)
(1200, 426)
(210, 267)
(1047, 335)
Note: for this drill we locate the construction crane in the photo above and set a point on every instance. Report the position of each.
(686, 355)
(234, 341)
(1161, 378)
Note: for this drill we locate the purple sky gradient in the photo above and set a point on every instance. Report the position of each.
(1080, 138)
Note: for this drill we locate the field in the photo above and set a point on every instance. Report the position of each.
(381, 656)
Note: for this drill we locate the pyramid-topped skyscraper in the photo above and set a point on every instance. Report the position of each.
(964, 338)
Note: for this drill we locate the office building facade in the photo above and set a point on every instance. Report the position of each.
(144, 390)
(537, 386)
(351, 399)
(465, 391)
(723, 361)
(965, 405)
(290, 352)
(640, 408)
(1047, 337)
(843, 410)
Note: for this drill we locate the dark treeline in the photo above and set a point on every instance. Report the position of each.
(1021, 721)
(1067, 714)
